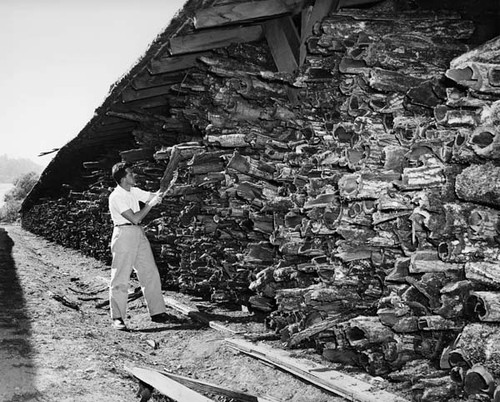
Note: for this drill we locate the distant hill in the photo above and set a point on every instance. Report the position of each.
(12, 168)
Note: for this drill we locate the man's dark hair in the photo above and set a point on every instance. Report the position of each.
(119, 171)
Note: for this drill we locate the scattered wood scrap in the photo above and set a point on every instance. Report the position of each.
(131, 297)
(90, 292)
(311, 331)
(321, 376)
(65, 301)
(199, 316)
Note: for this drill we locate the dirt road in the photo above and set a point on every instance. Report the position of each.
(56, 346)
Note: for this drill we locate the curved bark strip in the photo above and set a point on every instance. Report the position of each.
(481, 77)
(485, 142)
(364, 331)
(428, 261)
(436, 323)
(484, 306)
(455, 117)
(478, 380)
(488, 52)
(482, 272)
(479, 68)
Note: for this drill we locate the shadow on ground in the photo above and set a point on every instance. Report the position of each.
(17, 371)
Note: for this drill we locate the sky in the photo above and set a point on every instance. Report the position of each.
(59, 59)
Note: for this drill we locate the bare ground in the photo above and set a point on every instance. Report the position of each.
(50, 351)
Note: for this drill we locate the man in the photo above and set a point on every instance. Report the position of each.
(131, 249)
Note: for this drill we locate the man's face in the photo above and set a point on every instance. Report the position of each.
(129, 177)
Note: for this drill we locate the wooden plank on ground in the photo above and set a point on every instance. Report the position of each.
(166, 385)
(214, 38)
(321, 376)
(240, 12)
(197, 315)
(202, 386)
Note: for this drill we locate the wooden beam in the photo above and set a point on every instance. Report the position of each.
(101, 138)
(242, 12)
(168, 64)
(354, 3)
(320, 10)
(166, 385)
(97, 132)
(146, 80)
(139, 117)
(107, 121)
(120, 125)
(130, 94)
(283, 42)
(139, 104)
(214, 38)
(321, 376)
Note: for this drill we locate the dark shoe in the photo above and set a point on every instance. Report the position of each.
(119, 324)
(161, 318)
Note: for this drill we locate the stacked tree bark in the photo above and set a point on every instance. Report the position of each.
(357, 200)
(400, 199)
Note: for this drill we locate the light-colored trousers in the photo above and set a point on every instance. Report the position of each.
(131, 250)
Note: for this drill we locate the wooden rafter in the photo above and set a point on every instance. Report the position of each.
(97, 138)
(130, 94)
(352, 3)
(214, 38)
(283, 42)
(311, 16)
(119, 125)
(109, 121)
(243, 12)
(169, 64)
(98, 132)
(144, 117)
(147, 80)
(147, 103)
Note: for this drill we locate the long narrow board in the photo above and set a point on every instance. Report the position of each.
(197, 315)
(202, 386)
(321, 376)
(166, 386)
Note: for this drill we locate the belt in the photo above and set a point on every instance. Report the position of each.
(125, 224)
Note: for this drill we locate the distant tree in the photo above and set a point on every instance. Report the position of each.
(15, 196)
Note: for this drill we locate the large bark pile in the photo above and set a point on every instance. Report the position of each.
(356, 201)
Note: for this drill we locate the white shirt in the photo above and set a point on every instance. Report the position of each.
(121, 200)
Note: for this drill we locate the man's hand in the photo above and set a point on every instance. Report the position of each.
(156, 199)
